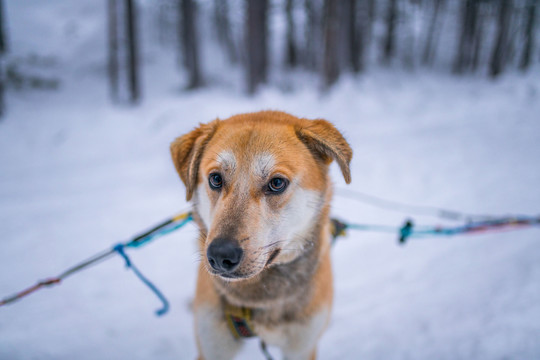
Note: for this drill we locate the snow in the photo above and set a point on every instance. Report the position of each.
(78, 175)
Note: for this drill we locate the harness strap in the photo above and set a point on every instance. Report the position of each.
(337, 229)
(265, 351)
(239, 321)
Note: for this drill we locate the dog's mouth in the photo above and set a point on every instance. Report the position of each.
(231, 276)
(272, 256)
(236, 275)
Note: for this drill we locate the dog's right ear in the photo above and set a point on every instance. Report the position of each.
(327, 143)
(186, 152)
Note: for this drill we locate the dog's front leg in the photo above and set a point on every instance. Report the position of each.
(311, 355)
(300, 340)
(214, 339)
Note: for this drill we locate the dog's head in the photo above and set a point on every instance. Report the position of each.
(258, 182)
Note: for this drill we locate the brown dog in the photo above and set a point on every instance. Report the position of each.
(261, 196)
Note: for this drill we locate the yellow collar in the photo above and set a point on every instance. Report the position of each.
(239, 321)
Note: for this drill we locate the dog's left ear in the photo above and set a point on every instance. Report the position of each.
(186, 152)
(326, 142)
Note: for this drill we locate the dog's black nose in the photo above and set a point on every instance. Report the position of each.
(224, 255)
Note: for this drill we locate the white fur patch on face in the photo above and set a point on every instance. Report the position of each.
(227, 160)
(203, 205)
(262, 164)
(297, 220)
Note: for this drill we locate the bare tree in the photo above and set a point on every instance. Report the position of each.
(408, 17)
(123, 40)
(257, 43)
(223, 29)
(331, 63)
(132, 53)
(291, 52)
(433, 32)
(483, 16)
(389, 46)
(3, 35)
(498, 57)
(530, 23)
(113, 65)
(189, 43)
(366, 19)
(313, 35)
(354, 36)
(3, 50)
(334, 36)
(465, 52)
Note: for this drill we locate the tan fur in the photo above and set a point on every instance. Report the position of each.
(285, 274)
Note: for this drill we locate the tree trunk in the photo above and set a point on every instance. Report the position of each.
(498, 57)
(123, 64)
(3, 50)
(257, 43)
(190, 48)
(3, 35)
(2, 86)
(408, 36)
(433, 32)
(465, 52)
(113, 65)
(331, 68)
(365, 31)
(223, 29)
(354, 37)
(389, 48)
(313, 35)
(529, 33)
(132, 53)
(291, 54)
(478, 38)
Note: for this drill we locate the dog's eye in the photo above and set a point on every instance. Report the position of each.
(277, 185)
(215, 180)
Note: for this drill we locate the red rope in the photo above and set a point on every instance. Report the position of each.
(31, 289)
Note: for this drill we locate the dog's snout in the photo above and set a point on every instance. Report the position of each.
(224, 255)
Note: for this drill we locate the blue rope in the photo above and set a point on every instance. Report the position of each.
(409, 230)
(159, 232)
(119, 248)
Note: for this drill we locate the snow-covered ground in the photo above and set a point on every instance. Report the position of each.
(77, 175)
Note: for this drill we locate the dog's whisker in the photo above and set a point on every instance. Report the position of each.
(272, 244)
